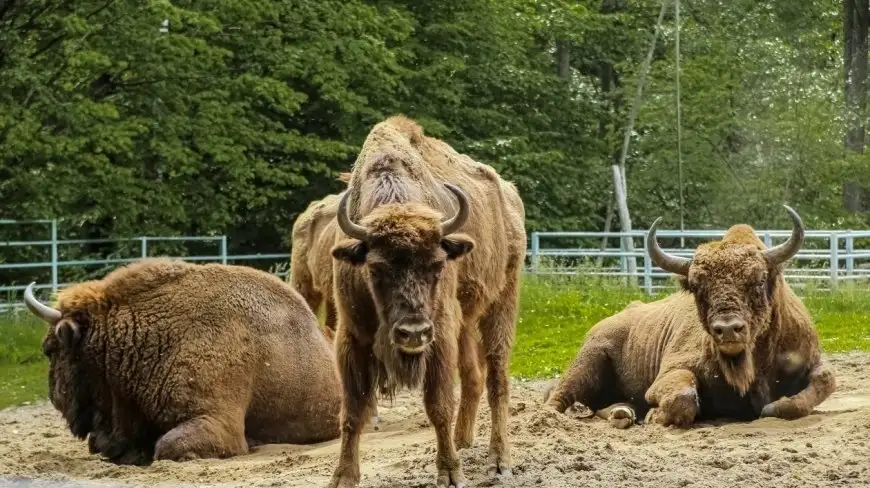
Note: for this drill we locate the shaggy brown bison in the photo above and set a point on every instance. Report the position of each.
(735, 343)
(313, 235)
(170, 360)
(413, 299)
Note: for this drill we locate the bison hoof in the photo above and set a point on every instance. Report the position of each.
(679, 411)
(499, 465)
(622, 417)
(451, 478)
(500, 471)
(784, 408)
(343, 482)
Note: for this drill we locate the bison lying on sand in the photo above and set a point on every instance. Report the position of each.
(735, 343)
(414, 299)
(170, 360)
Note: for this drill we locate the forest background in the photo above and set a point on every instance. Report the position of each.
(159, 118)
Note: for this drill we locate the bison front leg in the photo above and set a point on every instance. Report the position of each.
(439, 402)
(357, 404)
(821, 385)
(206, 436)
(674, 398)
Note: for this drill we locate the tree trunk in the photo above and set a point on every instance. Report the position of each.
(855, 30)
(563, 59)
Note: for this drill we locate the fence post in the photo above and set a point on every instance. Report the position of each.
(144, 247)
(850, 248)
(835, 259)
(647, 267)
(768, 242)
(623, 263)
(54, 278)
(536, 249)
(223, 249)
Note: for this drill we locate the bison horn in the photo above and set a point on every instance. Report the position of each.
(453, 224)
(783, 252)
(350, 228)
(674, 264)
(46, 313)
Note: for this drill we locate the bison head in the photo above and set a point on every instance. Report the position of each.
(404, 248)
(733, 281)
(69, 386)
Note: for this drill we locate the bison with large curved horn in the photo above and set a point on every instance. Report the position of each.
(164, 359)
(427, 279)
(735, 342)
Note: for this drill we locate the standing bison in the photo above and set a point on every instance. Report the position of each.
(413, 299)
(735, 343)
(170, 360)
(313, 234)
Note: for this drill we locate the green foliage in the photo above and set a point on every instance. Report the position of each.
(236, 115)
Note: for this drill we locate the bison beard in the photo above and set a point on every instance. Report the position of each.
(400, 370)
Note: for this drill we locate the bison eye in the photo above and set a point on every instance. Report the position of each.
(436, 266)
(48, 348)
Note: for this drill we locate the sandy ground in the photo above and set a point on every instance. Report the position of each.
(830, 448)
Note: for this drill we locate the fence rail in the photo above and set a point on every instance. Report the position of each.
(827, 259)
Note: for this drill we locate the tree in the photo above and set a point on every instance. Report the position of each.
(856, 15)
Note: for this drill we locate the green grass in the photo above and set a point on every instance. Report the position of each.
(23, 368)
(555, 314)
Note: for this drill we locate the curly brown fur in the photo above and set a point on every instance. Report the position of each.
(464, 284)
(314, 232)
(173, 360)
(663, 355)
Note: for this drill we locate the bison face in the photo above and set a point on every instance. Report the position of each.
(733, 282)
(404, 249)
(733, 292)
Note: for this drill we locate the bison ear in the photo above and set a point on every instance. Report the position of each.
(457, 245)
(684, 283)
(351, 251)
(69, 333)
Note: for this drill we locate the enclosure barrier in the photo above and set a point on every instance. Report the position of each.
(826, 259)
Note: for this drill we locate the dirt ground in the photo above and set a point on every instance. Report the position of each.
(830, 448)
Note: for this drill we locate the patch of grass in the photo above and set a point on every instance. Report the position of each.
(555, 315)
(23, 368)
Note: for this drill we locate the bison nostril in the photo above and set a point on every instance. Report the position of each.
(738, 328)
(413, 333)
(717, 329)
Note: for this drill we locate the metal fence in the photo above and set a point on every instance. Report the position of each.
(136, 247)
(827, 258)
